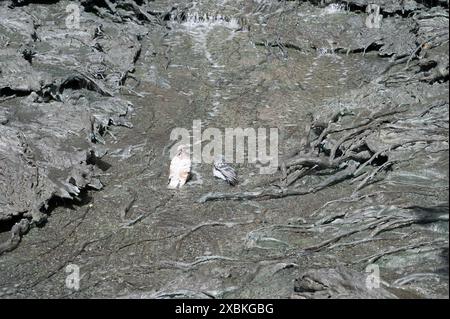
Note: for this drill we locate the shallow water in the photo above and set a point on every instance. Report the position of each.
(229, 64)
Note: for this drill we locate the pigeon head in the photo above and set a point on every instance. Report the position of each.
(182, 150)
(220, 159)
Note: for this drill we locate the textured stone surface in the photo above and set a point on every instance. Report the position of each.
(85, 122)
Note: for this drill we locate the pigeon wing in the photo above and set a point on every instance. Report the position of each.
(228, 172)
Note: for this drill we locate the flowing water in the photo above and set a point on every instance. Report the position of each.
(231, 65)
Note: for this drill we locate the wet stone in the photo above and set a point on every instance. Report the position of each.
(360, 197)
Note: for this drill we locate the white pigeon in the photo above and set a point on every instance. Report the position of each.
(180, 167)
(224, 171)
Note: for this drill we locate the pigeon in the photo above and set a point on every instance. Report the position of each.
(224, 171)
(180, 168)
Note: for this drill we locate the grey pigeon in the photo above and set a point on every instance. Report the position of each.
(224, 171)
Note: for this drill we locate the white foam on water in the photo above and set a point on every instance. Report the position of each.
(199, 27)
(334, 8)
(196, 20)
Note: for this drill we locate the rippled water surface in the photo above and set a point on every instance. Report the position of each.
(229, 64)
